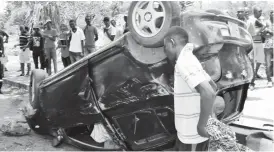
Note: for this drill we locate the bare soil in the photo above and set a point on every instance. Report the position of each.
(10, 104)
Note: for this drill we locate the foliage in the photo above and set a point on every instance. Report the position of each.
(28, 12)
(185, 4)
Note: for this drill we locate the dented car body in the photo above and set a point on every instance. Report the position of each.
(118, 87)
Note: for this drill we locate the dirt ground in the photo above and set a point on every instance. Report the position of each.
(10, 104)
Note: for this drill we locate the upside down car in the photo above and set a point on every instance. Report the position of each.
(119, 85)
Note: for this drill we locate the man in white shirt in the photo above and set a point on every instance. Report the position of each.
(76, 47)
(194, 92)
(109, 31)
(257, 22)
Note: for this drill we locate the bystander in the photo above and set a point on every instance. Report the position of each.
(268, 48)
(4, 34)
(109, 31)
(76, 46)
(24, 56)
(50, 35)
(37, 44)
(91, 35)
(257, 21)
(2, 53)
(63, 44)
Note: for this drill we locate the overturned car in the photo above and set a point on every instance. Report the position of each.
(120, 86)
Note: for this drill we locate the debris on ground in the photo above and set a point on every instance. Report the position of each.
(12, 127)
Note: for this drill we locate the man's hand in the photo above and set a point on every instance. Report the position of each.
(202, 131)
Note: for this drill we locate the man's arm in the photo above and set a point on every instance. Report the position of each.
(207, 100)
(95, 34)
(82, 44)
(53, 36)
(111, 37)
(82, 40)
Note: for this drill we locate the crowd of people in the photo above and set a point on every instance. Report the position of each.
(261, 31)
(43, 41)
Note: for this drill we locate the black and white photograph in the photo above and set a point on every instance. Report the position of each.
(136, 75)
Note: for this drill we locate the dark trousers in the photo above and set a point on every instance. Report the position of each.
(269, 64)
(66, 61)
(179, 146)
(75, 56)
(38, 54)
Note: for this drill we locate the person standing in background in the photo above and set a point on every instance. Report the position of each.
(24, 56)
(241, 14)
(4, 34)
(2, 54)
(268, 48)
(37, 44)
(50, 35)
(63, 44)
(76, 46)
(119, 31)
(91, 35)
(109, 31)
(259, 58)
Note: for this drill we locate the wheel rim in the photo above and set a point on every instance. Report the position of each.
(32, 90)
(148, 18)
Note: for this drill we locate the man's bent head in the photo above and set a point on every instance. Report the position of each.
(174, 41)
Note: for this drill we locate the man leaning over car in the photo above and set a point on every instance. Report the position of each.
(194, 92)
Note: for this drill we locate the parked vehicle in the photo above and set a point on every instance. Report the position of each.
(119, 85)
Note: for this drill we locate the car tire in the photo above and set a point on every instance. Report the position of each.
(37, 122)
(167, 15)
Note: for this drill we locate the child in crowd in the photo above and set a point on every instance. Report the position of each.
(64, 45)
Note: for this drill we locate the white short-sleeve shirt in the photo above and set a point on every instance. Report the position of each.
(112, 31)
(76, 38)
(188, 74)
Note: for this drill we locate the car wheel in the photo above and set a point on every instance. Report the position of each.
(149, 21)
(37, 122)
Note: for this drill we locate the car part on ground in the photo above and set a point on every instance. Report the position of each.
(149, 21)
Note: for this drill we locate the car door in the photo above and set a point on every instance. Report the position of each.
(140, 110)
